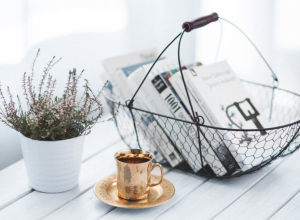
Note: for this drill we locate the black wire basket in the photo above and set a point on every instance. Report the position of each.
(250, 149)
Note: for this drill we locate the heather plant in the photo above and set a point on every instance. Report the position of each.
(48, 117)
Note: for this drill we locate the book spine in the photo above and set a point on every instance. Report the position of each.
(150, 128)
(160, 131)
(165, 147)
(179, 112)
(151, 141)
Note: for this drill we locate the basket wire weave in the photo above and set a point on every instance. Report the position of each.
(280, 140)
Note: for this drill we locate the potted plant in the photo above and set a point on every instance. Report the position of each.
(51, 128)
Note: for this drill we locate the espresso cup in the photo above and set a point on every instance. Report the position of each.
(134, 168)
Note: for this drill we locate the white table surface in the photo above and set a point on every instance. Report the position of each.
(272, 192)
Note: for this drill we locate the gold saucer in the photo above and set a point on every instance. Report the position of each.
(106, 191)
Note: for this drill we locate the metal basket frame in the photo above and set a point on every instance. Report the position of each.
(289, 129)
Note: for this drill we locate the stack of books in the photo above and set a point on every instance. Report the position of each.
(216, 94)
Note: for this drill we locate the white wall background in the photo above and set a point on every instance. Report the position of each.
(273, 25)
(83, 33)
(86, 32)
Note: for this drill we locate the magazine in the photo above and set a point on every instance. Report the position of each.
(120, 68)
(148, 141)
(180, 132)
(156, 105)
(230, 161)
(114, 66)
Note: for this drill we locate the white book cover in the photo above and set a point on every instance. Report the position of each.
(232, 106)
(179, 112)
(211, 141)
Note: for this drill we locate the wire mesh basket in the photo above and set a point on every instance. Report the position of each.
(250, 149)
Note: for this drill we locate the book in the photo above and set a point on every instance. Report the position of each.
(178, 131)
(229, 105)
(115, 94)
(210, 138)
(147, 141)
(211, 146)
(222, 163)
(154, 104)
(178, 110)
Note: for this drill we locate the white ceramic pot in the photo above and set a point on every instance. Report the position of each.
(52, 166)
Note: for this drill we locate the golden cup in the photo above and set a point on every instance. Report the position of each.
(134, 168)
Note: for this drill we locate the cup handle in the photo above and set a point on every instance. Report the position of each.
(161, 174)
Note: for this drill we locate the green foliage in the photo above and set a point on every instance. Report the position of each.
(49, 117)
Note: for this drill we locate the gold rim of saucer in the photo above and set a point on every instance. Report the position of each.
(106, 191)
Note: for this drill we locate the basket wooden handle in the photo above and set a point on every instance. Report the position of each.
(200, 22)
